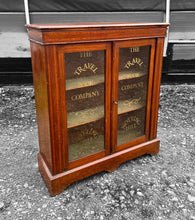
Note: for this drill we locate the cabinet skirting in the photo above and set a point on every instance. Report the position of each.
(57, 183)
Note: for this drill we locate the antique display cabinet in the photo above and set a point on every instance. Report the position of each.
(96, 91)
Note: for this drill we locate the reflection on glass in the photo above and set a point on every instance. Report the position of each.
(131, 125)
(85, 102)
(132, 92)
(86, 139)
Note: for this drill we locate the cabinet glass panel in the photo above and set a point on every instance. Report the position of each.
(132, 92)
(85, 102)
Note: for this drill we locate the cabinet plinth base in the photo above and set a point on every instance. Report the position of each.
(57, 183)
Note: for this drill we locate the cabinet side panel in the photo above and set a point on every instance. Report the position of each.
(156, 87)
(56, 109)
(41, 100)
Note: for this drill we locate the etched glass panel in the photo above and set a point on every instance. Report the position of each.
(132, 92)
(85, 102)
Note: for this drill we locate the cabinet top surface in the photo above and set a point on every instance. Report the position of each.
(113, 25)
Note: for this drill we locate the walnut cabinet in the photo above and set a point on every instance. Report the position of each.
(96, 91)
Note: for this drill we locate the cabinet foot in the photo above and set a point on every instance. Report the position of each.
(52, 182)
(155, 149)
(111, 169)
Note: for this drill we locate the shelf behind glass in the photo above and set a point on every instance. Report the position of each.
(130, 105)
(123, 136)
(85, 147)
(85, 116)
(131, 125)
(130, 75)
(84, 81)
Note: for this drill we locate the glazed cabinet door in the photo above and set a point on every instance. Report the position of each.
(132, 83)
(85, 70)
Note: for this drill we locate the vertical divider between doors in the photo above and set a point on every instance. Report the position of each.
(114, 97)
(108, 72)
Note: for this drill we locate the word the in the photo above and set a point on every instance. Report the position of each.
(134, 49)
(85, 54)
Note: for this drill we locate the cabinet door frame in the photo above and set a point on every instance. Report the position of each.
(62, 49)
(115, 75)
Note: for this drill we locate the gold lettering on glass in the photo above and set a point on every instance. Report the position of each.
(132, 86)
(90, 133)
(85, 95)
(85, 67)
(134, 49)
(131, 123)
(132, 62)
(85, 54)
(132, 102)
(88, 83)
